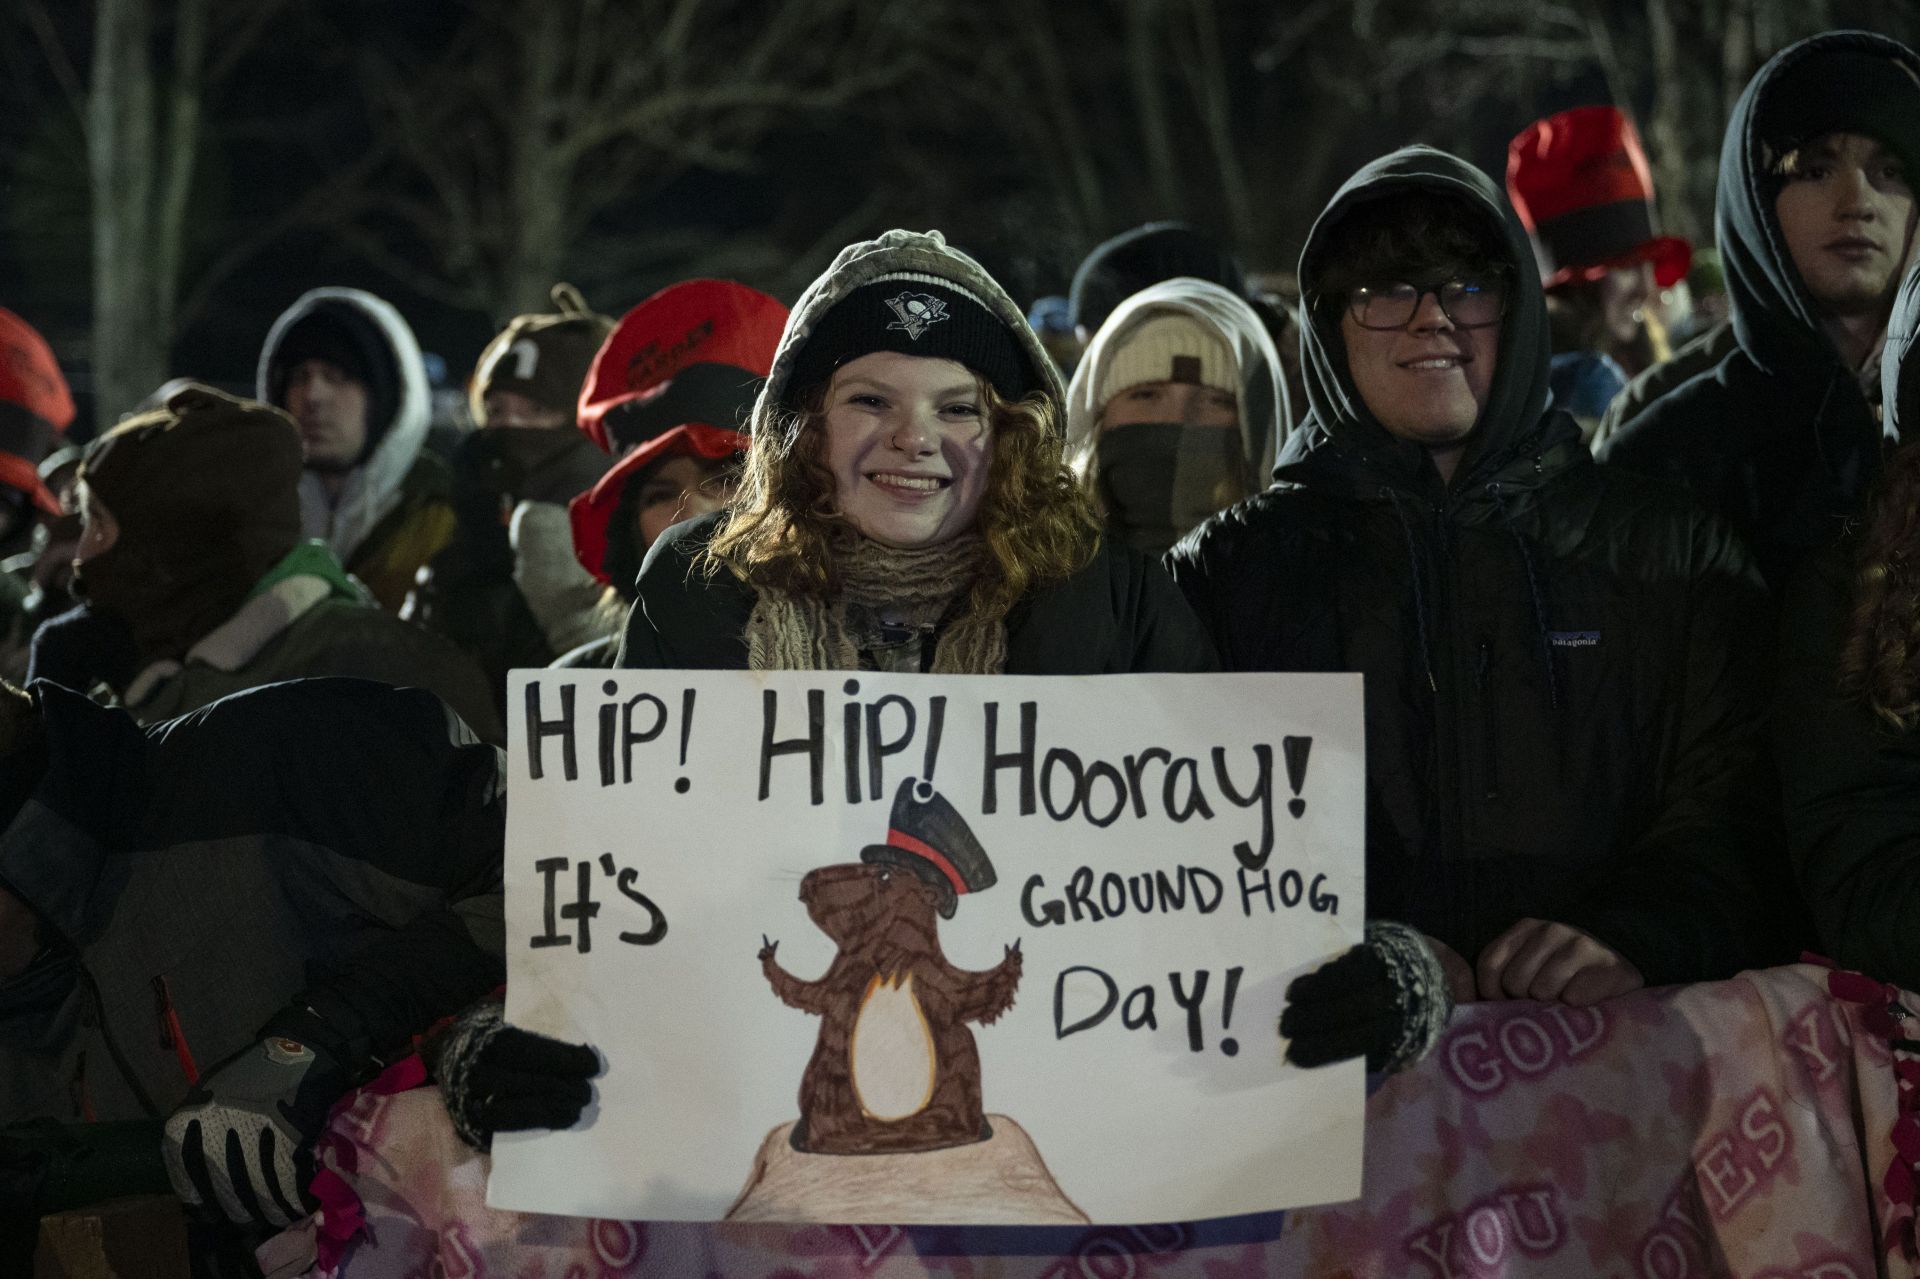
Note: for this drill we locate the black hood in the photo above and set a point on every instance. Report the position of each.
(1840, 80)
(1513, 414)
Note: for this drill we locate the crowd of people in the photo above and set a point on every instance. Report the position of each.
(1639, 624)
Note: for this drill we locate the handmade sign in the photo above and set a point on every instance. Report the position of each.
(912, 949)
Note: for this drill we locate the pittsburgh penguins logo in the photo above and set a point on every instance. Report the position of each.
(916, 312)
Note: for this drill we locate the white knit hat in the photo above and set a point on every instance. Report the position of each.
(1170, 347)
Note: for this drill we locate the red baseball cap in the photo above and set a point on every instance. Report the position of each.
(35, 406)
(694, 352)
(1581, 184)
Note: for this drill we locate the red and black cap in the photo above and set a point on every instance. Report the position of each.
(35, 407)
(594, 511)
(1581, 184)
(697, 351)
(927, 836)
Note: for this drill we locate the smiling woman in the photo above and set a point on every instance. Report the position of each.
(905, 505)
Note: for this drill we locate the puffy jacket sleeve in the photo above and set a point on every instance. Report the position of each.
(380, 807)
(682, 618)
(1167, 637)
(1852, 791)
(1701, 893)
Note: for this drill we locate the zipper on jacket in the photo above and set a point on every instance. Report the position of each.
(1445, 707)
(77, 1090)
(172, 1038)
(1489, 722)
(127, 1073)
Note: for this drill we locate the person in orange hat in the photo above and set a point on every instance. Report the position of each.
(665, 395)
(35, 410)
(1581, 184)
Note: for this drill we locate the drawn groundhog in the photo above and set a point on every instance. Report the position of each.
(895, 1068)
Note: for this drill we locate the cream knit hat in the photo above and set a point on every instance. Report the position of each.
(1170, 347)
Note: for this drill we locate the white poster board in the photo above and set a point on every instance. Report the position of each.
(1044, 988)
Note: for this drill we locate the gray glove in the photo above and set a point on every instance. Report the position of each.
(240, 1144)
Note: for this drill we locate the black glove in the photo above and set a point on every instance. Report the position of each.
(499, 1078)
(82, 647)
(241, 1144)
(1386, 999)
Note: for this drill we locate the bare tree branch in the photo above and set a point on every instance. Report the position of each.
(64, 74)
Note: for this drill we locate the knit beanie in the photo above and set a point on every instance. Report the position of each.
(341, 335)
(1119, 268)
(1171, 347)
(915, 313)
(544, 357)
(1842, 90)
(205, 493)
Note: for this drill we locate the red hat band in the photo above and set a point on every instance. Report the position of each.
(927, 852)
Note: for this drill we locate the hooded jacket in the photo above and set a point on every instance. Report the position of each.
(394, 512)
(1266, 416)
(1779, 438)
(1119, 614)
(197, 875)
(1559, 720)
(1851, 781)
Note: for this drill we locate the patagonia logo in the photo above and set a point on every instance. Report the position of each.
(916, 313)
(1574, 639)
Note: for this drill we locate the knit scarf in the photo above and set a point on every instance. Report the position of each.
(913, 587)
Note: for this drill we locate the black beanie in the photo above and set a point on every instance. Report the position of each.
(914, 314)
(1843, 91)
(1129, 262)
(341, 335)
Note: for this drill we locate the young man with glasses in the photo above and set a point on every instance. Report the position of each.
(1562, 726)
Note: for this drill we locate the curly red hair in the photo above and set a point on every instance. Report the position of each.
(1880, 656)
(784, 524)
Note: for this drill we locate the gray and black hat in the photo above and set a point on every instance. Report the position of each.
(916, 313)
(927, 836)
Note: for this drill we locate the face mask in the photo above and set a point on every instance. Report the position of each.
(1161, 479)
(536, 459)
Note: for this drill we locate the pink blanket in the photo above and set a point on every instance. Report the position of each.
(1759, 1128)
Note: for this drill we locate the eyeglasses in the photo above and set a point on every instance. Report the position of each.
(1468, 304)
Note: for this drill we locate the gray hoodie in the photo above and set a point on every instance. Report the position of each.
(374, 487)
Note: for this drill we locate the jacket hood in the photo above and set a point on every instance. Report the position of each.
(1266, 416)
(1899, 367)
(374, 487)
(1774, 318)
(1519, 396)
(926, 252)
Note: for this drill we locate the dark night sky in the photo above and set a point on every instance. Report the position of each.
(307, 115)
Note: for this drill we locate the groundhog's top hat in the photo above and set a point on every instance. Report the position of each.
(927, 837)
(1582, 187)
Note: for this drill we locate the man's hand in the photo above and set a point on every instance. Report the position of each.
(1539, 959)
(240, 1144)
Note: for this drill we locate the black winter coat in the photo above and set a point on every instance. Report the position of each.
(1779, 439)
(1119, 615)
(1564, 717)
(330, 839)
